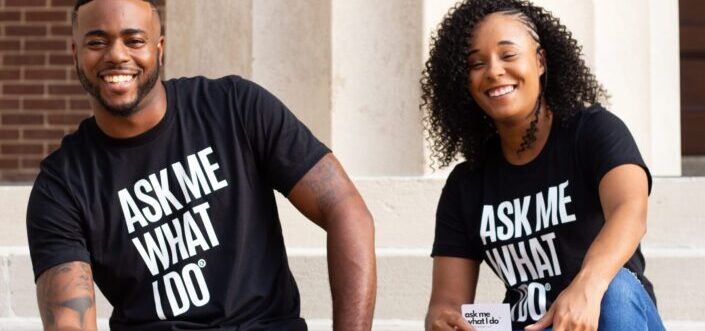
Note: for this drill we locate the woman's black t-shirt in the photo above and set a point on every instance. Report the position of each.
(534, 223)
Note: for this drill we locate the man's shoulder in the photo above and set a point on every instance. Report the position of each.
(227, 94)
(72, 147)
(231, 85)
(196, 83)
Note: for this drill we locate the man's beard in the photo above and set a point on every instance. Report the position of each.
(123, 110)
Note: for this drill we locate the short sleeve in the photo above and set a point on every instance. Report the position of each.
(605, 143)
(453, 235)
(285, 148)
(54, 227)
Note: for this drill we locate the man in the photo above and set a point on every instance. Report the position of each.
(165, 197)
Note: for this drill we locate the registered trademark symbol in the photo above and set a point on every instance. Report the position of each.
(547, 286)
(201, 263)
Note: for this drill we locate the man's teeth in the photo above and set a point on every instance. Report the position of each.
(118, 78)
(501, 91)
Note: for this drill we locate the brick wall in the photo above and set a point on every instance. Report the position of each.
(41, 99)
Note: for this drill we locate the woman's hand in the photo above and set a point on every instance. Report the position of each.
(447, 319)
(454, 283)
(577, 308)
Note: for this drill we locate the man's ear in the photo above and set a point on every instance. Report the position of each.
(160, 50)
(74, 52)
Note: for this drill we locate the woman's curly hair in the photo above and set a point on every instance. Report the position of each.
(454, 122)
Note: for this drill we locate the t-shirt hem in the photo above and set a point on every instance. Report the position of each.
(299, 172)
(452, 251)
(616, 164)
(49, 263)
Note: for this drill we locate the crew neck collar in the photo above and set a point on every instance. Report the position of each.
(144, 137)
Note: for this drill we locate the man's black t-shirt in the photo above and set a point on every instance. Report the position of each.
(180, 223)
(534, 223)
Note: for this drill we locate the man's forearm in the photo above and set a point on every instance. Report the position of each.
(328, 197)
(66, 298)
(352, 270)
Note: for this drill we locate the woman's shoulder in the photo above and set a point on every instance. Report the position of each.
(594, 116)
(464, 173)
(592, 122)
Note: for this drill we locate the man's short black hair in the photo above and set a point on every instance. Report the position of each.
(80, 3)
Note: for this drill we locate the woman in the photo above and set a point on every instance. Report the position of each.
(553, 190)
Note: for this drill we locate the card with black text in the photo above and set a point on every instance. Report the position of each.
(488, 317)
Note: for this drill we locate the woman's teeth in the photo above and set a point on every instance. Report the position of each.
(500, 91)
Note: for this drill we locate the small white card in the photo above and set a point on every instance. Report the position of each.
(488, 317)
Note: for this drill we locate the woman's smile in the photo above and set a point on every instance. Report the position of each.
(505, 68)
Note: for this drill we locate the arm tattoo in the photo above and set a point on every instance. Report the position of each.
(65, 295)
(81, 305)
(329, 183)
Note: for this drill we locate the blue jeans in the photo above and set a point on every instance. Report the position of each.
(627, 307)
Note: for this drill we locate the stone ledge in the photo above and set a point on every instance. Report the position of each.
(404, 209)
(406, 278)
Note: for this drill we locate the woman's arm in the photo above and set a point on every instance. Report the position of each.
(623, 195)
(454, 284)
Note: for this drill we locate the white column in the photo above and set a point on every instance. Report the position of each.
(665, 88)
(377, 62)
(637, 60)
(210, 38)
(623, 63)
(632, 47)
(292, 58)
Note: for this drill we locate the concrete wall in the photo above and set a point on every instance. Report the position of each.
(636, 55)
(665, 100)
(377, 59)
(350, 69)
(292, 58)
(211, 40)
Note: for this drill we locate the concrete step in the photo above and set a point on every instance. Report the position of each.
(404, 280)
(404, 209)
(693, 165)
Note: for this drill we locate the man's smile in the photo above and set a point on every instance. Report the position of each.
(118, 78)
(118, 81)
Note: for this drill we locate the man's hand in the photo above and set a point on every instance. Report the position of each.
(327, 197)
(66, 298)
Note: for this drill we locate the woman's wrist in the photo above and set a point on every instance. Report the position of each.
(591, 281)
